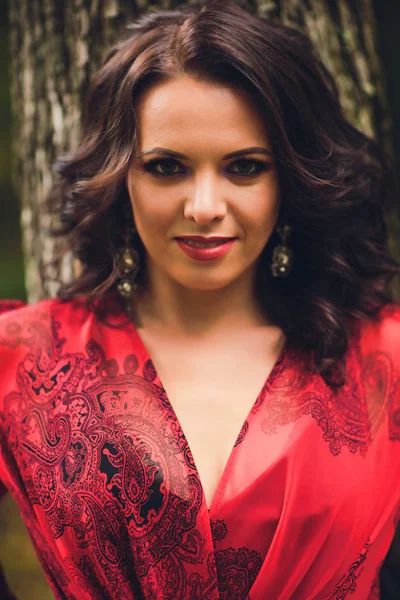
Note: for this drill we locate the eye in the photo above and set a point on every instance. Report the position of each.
(245, 171)
(167, 167)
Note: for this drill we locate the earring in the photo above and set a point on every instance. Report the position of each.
(128, 265)
(282, 256)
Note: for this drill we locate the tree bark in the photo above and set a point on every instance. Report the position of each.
(55, 46)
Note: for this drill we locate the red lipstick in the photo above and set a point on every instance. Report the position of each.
(208, 251)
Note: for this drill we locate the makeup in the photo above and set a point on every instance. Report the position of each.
(206, 253)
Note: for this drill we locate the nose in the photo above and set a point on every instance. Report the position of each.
(205, 202)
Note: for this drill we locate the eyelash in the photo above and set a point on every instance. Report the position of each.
(149, 167)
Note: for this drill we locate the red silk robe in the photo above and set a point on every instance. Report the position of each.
(95, 457)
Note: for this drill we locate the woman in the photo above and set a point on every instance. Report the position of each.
(209, 409)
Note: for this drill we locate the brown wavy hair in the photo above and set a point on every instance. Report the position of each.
(336, 184)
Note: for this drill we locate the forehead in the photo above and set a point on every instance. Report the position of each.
(188, 106)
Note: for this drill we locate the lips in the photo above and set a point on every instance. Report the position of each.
(204, 240)
(209, 251)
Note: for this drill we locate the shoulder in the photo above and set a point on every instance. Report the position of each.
(7, 305)
(382, 334)
(379, 355)
(36, 330)
(45, 330)
(34, 336)
(44, 311)
(21, 323)
(15, 316)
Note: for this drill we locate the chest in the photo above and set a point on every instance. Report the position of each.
(212, 391)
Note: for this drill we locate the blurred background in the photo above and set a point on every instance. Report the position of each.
(23, 571)
(16, 553)
(11, 261)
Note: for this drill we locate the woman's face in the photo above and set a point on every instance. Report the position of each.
(203, 192)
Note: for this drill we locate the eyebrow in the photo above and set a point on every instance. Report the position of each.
(167, 152)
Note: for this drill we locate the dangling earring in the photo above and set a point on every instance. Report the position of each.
(282, 256)
(128, 266)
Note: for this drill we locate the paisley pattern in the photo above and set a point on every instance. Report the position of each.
(218, 529)
(237, 569)
(347, 584)
(349, 419)
(103, 475)
(243, 432)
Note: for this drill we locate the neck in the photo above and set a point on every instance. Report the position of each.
(166, 305)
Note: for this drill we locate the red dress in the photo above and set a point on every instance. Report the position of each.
(94, 456)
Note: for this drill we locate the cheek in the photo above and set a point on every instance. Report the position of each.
(152, 219)
(151, 197)
(147, 207)
(260, 214)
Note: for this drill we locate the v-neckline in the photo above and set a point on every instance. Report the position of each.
(222, 483)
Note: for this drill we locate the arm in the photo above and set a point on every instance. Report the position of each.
(5, 592)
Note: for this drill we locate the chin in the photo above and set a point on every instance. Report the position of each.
(205, 282)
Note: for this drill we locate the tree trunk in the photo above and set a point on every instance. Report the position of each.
(55, 46)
